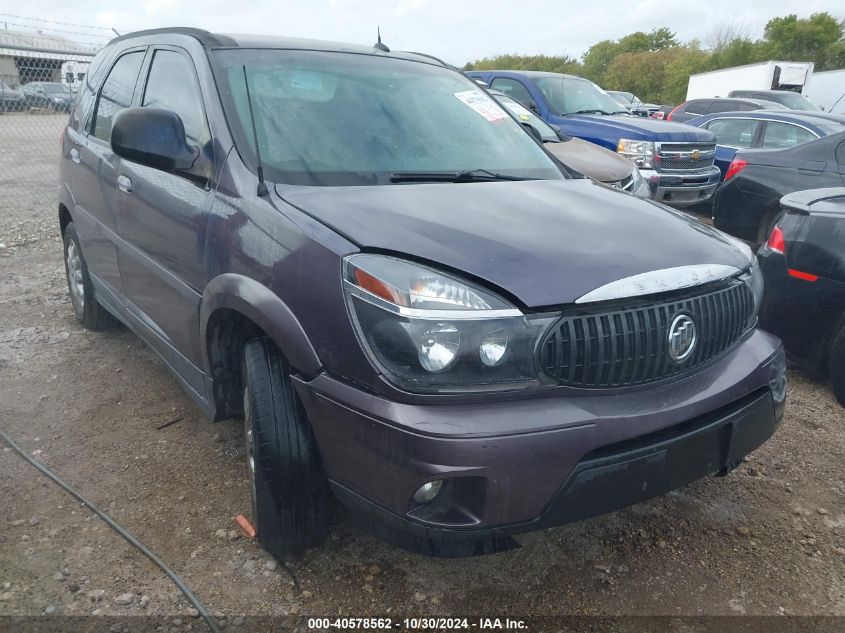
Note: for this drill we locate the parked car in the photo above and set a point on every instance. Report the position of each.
(676, 160)
(10, 99)
(408, 301)
(803, 263)
(748, 203)
(787, 98)
(47, 95)
(698, 107)
(762, 129)
(586, 158)
(633, 103)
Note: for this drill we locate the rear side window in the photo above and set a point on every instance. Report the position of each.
(514, 89)
(782, 135)
(734, 132)
(173, 85)
(695, 107)
(116, 93)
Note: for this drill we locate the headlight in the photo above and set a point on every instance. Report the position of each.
(640, 152)
(431, 332)
(754, 280)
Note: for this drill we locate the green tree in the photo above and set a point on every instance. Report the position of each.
(656, 76)
(547, 63)
(806, 39)
(595, 61)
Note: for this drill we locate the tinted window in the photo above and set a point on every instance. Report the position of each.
(696, 107)
(514, 89)
(782, 135)
(173, 85)
(734, 132)
(116, 93)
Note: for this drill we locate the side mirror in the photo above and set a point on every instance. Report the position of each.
(154, 137)
(533, 131)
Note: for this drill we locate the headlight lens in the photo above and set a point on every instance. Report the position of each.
(754, 280)
(431, 332)
(640, 152)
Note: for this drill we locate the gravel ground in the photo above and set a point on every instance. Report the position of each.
(766, 540)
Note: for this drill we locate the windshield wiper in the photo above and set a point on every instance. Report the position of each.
(469, 175)
(588, 111)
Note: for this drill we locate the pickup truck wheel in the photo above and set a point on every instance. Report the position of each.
(289, 489)
(836, 364)
(88, 312)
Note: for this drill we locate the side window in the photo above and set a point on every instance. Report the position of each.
(696, 107)
(173, 85)
(734, 132)
(714, 106)
(514, 89)
(742, 106)
(840, 154)
(116, 93)
(782, 135)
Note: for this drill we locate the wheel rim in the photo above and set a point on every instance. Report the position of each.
(249, 439)
(74, 277)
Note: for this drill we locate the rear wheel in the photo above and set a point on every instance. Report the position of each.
(836, 365)
(88, 312)
(289, 489)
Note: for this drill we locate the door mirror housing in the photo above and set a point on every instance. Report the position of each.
(154, 137)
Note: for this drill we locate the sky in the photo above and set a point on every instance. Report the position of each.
(454, 30)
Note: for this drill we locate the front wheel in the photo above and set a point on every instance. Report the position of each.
(289, 489)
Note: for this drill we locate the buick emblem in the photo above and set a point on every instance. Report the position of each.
(682, 337)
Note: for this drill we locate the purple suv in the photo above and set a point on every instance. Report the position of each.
(411, 304)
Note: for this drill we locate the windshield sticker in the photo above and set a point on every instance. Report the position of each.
(523, 114)
(304, 80)
(482, 104)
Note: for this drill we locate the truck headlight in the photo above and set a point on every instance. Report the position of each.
(431, 332)
(640, 152)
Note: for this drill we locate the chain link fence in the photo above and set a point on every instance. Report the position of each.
(39, 78)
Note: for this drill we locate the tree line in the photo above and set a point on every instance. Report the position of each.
(656, 66)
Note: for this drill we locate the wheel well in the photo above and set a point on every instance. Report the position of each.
(226, 334)
(64, 218)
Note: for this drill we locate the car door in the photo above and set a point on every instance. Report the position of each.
(732, 134)
(162, 223)
(94, 174)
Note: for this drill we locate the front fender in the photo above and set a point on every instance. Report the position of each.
(264, 308)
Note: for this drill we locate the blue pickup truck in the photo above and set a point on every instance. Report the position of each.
(675, 159)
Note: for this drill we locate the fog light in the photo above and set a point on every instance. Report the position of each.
(777, 383)
(428, 491)
(438, 347)
(493, 347)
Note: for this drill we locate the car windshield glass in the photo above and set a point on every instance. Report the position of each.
(524, 115)
(54, 89)
(569, 95)
(625, 98)
(795, 101)
(329, 118)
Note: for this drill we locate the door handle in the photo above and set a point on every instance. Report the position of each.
(74, 155)
(124, 183)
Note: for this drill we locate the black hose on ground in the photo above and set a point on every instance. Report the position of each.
(212, 623)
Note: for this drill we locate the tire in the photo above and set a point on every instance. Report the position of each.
(88, 312)
(836, 365)
(288, 486)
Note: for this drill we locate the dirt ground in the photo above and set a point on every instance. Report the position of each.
(766, 540)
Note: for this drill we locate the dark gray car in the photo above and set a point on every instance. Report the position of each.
(413, 307)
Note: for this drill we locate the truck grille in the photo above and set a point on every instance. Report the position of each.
(629, 346)
(680, 156)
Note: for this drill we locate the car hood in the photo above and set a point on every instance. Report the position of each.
(591, 160)
(614, 127)
(544, 242)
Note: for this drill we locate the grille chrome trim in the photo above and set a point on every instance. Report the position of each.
(684, 156)
(627, 346)
(663, 280)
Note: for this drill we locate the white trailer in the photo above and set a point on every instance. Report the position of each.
(828, 91)
(769, 75)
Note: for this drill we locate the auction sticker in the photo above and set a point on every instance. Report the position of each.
(482, 104)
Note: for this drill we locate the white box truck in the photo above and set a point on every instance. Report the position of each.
(769, 75)
(828, 91)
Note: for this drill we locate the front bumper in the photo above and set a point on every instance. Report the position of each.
(519, 465)
(682, 189)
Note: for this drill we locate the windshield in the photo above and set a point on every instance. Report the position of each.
(326, 118)
(55, 89)
(795, 101)
(570, 95)
(524, 115)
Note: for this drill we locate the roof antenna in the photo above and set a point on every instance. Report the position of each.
(378, 45)
(262, 186)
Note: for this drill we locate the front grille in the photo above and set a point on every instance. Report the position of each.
(678, 156)
(622, 347)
